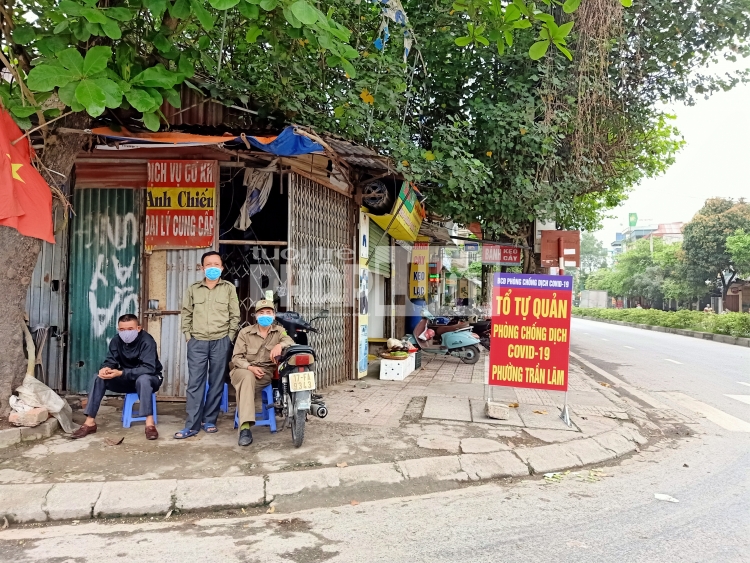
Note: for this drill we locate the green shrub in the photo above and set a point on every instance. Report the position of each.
(732, 324)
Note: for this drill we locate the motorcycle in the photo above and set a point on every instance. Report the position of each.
(294, 381)
(461, 343)
(483, 328)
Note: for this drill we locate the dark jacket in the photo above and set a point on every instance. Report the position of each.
(134, 359)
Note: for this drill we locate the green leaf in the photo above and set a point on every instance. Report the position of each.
(96, 60)
(521, 24)
(268, 5)
(251, 11)
(151, 121)
(112, 92)
(119, 14)
(93, 15)
(185, 66)
(304, 12)
(23, 111)
(46, 76)
(72, 60)
(500, 47)
(564, 51)
(546, 18)
(253, 33)
(156, 7)
(22, 122)
(481, 39)
(70, 8)
(23, 35)
(564, 30)
(180, 9)
(223, 4)
(203, 43)
(112, 29)
(203, 15)
(292, 19)
(509, 38)
(67, 95)
(173, 97)
(92, 97)
(157, 77)
(140, 100)
(463, 41)
(80, 30)
(52, 113)
(156, 95)
(626, 3)
(338, 111)
(571, 6)
(512, 13)
(162, 43)
(539, 49)
(60, 27)
(348, 52)
(348, 67)
(94, 29)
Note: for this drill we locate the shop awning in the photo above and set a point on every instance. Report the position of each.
(286, 143)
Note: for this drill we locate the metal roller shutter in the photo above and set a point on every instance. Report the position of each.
(380, 256)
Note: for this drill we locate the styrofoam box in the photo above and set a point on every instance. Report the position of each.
(396, 370)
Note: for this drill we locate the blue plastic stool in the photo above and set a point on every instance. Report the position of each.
(224, 405)
(267, 416)
(127, 409)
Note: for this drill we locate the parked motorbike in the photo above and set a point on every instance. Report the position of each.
(461, 343)
(294, 383)
(483, 328)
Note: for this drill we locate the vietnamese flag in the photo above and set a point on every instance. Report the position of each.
(25, 198)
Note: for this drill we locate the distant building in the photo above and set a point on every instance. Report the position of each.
(668, 232)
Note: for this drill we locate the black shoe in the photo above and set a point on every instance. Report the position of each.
(246, 437)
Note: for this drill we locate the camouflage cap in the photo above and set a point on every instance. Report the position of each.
(264, 304)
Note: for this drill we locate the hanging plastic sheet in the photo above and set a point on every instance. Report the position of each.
(258, 182)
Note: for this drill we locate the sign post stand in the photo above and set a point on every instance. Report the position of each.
(530, 335)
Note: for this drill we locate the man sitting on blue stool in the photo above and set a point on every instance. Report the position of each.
(131, 366)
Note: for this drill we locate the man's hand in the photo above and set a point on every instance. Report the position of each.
(104, 373)
(257, 372)
(276, 352)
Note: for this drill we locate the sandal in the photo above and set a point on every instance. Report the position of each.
(185, 433)
(209, 428)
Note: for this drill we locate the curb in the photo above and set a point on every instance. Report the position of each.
(13, 436)
(44, 502)
(723, 338)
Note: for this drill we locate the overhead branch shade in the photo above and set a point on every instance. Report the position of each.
(380, 256)
(25, 197)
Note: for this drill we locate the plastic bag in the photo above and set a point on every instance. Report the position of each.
(18, 405)
(36, 394)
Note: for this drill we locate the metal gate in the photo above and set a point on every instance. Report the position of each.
(105, 268)
(321, 262)
(46, 303)
(183, 270)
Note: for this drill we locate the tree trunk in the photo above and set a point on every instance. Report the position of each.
(18, 255)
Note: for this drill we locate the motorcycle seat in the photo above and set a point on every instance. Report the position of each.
(442, 329)
(297, 349)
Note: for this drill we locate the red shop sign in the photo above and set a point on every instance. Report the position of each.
(501, 255)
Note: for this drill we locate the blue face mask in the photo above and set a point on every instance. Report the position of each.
(213, 273)
(265, 320)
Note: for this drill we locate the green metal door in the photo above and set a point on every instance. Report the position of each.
(380, 254)
(104, 275)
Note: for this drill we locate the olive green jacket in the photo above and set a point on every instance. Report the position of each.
(251, 349)
(210, 314)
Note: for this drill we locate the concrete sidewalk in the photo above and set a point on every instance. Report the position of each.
(428, 428)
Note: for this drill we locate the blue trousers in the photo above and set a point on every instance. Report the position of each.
(206, 359)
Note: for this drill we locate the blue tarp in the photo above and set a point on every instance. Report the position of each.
(287, 143)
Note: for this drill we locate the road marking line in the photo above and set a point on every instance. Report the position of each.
(645, 397)
(742, 398)
(673, 361)
(743, 383)
(629, 347)
(720, 418)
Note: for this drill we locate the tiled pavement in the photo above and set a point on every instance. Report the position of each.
(382, 403)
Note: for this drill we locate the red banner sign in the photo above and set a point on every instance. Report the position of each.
(530, 339)
(501, 255)
(181, 203)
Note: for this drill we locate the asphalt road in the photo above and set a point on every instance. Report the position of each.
(659, 362)
(602, 517)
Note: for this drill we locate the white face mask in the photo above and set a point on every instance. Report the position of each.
(128, 336)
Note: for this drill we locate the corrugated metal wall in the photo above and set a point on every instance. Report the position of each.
(46, 301)
(105, 268)
(183, 269)
(321, 237)
(380, 254)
